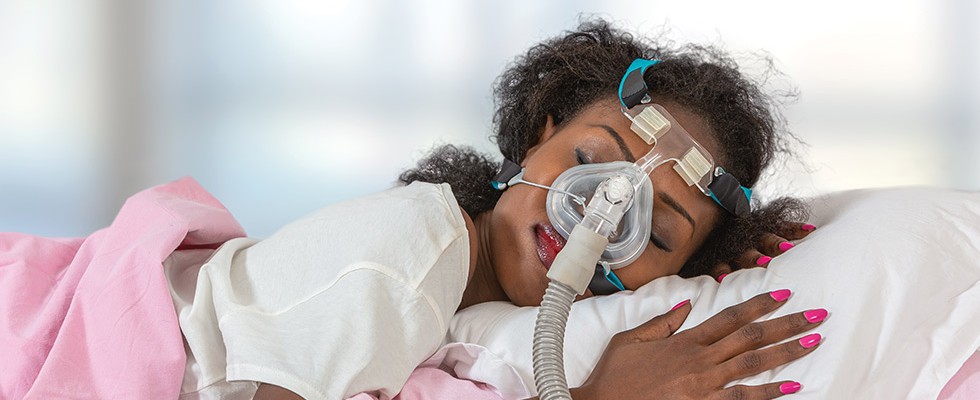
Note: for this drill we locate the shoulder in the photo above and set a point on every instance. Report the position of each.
(464, 219)
(417, 203)
(426, 200)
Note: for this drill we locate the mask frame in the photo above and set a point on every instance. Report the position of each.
(721, 186)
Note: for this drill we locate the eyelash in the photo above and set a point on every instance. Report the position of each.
(580, 156)
(659, 243)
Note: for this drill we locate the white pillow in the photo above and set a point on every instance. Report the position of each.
(898, 269)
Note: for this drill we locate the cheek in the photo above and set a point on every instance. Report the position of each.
(512, 246)
(652, 264)
(655, 263)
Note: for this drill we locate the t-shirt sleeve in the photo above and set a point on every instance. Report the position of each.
(348, 299)
(341, 341)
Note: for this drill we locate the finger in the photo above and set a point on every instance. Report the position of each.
(720, 271)
(732, 318)
(752, 258)
(756, 361)
(660, 326)
(796, 230)
(761, 392)
(760, 334)
(773, 245)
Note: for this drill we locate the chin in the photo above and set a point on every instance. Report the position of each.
(532, 289)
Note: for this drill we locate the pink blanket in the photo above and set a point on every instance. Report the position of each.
(92, 317)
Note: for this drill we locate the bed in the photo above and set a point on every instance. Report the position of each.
(898, 270)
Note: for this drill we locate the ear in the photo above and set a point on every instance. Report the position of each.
(547, 132)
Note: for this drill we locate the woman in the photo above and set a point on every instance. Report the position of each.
(557, 108)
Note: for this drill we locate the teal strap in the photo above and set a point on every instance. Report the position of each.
(632, 87)
(613, 279)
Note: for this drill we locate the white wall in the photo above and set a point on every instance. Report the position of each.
(280, 107)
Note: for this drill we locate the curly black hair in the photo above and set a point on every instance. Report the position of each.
(563, 76)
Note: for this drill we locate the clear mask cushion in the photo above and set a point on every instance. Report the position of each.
(633, 233)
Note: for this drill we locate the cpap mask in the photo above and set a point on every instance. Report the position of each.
(672, 144)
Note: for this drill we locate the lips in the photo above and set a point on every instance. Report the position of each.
(549, 243)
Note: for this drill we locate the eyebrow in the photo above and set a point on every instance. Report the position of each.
(627, 154)
(677, 207)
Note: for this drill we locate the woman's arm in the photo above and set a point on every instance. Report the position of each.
(652, 362)
(273, 392)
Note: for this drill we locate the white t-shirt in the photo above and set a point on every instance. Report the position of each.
(348, 299)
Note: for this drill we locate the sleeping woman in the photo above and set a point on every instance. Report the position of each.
(382, 306)
(353, 297)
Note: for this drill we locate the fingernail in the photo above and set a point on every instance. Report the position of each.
(790, 387)
(810, 340)
(679, 305)
(808, 227)
(815, 315)
(780, 295)
(785, 246)
(763, 260)
(722, 276)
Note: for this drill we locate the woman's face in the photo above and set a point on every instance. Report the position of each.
(522, 239)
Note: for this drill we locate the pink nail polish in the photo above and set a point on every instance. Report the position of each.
(679, 305)
(780, 295)
(808, 227)
(790, 387)
(722, 276)
(763, 260)
(815, 315)
(785, 246)
(810, 340)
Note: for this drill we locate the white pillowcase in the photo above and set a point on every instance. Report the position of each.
(898, 269)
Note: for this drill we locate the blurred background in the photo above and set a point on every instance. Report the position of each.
(279, 107)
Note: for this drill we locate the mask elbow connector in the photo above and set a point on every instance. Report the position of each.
(575, 263)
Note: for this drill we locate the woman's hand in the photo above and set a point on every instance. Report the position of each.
(651, 362)
(770, 245)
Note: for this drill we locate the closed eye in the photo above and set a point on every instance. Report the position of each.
(581, 157)
(659, 242)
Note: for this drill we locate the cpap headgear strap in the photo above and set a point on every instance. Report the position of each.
(724, 188)
(508, 171)
(604, 281)
(512, 173)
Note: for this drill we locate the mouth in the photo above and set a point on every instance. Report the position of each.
(549, 243)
